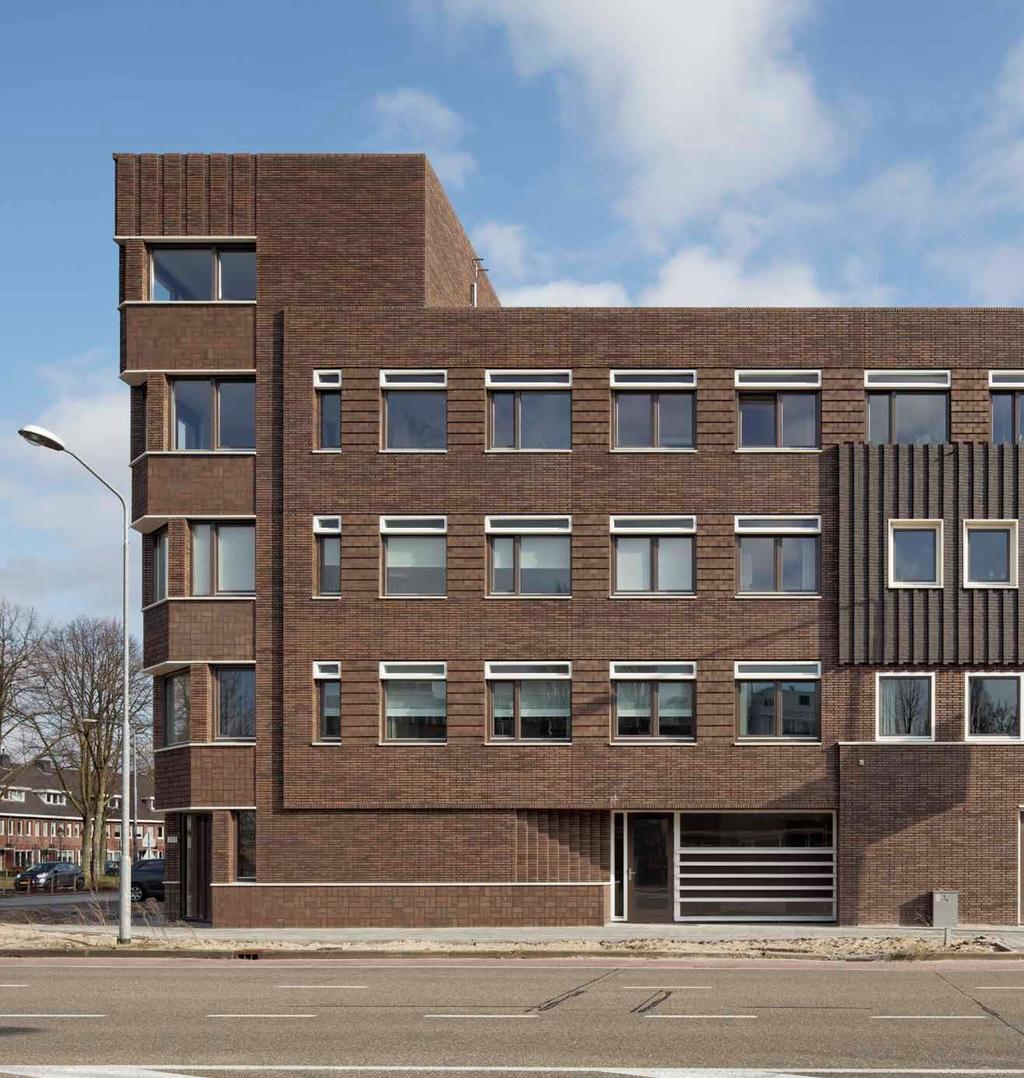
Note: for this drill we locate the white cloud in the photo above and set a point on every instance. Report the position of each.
(412, 121)
(502, 246)
(566, 293)
(992, 275)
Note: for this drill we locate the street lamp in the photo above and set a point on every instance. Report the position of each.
(40, 436)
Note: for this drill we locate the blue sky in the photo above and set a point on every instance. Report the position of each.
(661, 152)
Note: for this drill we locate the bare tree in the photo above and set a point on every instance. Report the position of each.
(907, 705)
(20, 635)
(77, 708)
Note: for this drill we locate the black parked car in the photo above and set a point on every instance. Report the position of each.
(50, 876)
(148, 879)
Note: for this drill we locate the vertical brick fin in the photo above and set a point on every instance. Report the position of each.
(174, 195)
(151, 203)
(243, 195)
(197, 195)
(127, 203)
(219, 195)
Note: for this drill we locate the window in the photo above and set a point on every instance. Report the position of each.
(653, 700)
(777, 555)
(529, 701)
(915, 553)
(235, 702)
(176, 707)
(993, 706)
(907, 407)
(990, 559)
(213, 413)
(223, 559)
(415, 410)
(778, 409)
(196, 274)
(327, 533)
(55, 799)
(415, 706)
(327, 678)
(245, 833)
(653, 555)
(327, 386)
(415, 554)
(905, 707)
(529, 555)
(653, 409)
(530, 410)
(778, 699)
(14, 795)
(160, 565)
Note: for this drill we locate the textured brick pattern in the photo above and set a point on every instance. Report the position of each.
(187, 337)
(200, 484)
(199, 630)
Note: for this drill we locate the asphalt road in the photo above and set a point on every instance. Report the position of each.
(545, 1016)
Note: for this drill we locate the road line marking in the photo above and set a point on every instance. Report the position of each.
(262, 1016)
(977, 987)
(701, 1016)
(13, 986)
(666, 987)
(481, 1016)
(912, 1017)
(316, 986)
(24, 1015)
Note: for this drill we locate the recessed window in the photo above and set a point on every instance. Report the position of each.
(160, 565)
(530, 410)
(327, 386)
(223, 559)
(529, 701)
(653, 409)
(907, 407)
(327, 679)
(529, 555)
(235, 702)
(213, 413)
(176, 707)
(202, 274)
(993, 706)
(915, 553)
(415, 407)
(414, 555)
(778, 409)
(653, 555)
(653, 700)
(778, 700)
(245, 850)
(991, 553)
(327, 533)
(778, 555)
(415, 701)
(905, 706)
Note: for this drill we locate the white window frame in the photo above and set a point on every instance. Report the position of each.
(667, 379)
(325, 671)
(413, 525)
(776, 670)
(519, 670)
(993, 739)
(531, 524)
(980, 524)
(329, 379)
(900, 738)
(327, 525)
(777, 379)
(922, 524)
(652, 524)
(423, 383)
(791, 524)
(882, 379)
(413, 670)
(667, 670)
(1006, 379)
(528, 378)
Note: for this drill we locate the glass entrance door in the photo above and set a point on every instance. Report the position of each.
(196, 863)
(650, 884)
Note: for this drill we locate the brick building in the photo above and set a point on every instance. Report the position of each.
(462, 615)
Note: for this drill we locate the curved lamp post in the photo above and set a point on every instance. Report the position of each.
(45, 439)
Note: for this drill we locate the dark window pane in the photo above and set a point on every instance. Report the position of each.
(904, 707)
(799, 420)
(330, 564)
(1002, 418)
(757, 563)
(236, 702)
(416, 710)
(545, 420)
(988, 555)
(415, 565)
(799, 708)
(246, 862)
(202, 559)
(994, 704)
(634, 427)
(237, 274)
(632, 563)
(675, 709)
(757, 421)
(330, 709)
(1020, 417)
(182, 273)
(878, 418)
(920, 418)
(176, 704)
(193, 413)
(544, 565)
(757, 708)
(914, 555)
(633, 709)
(675, 420)
(799, 563)
(503, 708)
(503, 420)
(330, 419)
(237, 415)
(675, 564)
(236, 558)
(503, 577)
(416, 420)
(544, 709)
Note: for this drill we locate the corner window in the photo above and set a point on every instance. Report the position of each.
(415, 701)
(245, 850)
(907, 407)
(653, 555)
(327, 387)
(327, 679)
(415, 410)
(327, 533)
(778, 409)
(415, 555)
(529, 701)
(915, 553)
(778, 700)
(529, 555)
(213, 413)
(990, 559)
(176, 708)
(653, 409)
(201, 274)
(223, 559)
(777, 555)
(530, 410)
(905, 707)
(235, 702)
(993, 706)
(653, 700)
(160, 565)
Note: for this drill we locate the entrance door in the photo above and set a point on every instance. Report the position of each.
(197, 866)
(649, 867)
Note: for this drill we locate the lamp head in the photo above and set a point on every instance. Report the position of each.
(42, 437)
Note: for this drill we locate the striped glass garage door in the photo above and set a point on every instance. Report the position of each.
(749, 866)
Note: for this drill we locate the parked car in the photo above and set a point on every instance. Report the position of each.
(111, 868)
(50, 875)
(148, 879)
